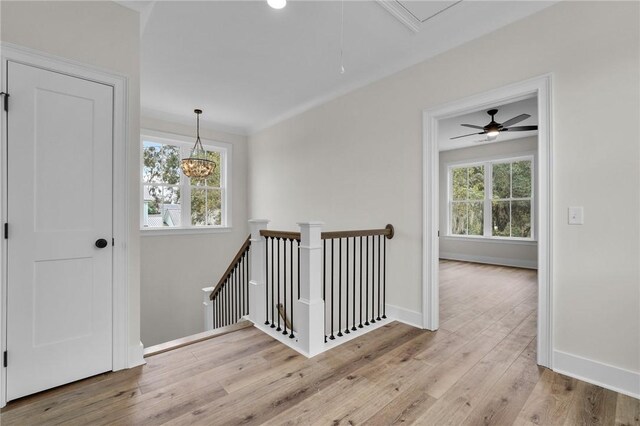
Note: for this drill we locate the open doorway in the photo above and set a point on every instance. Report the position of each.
(487, 214)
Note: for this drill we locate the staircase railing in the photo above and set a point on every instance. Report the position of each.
(310, 289)
(230, 297)
(354, 272)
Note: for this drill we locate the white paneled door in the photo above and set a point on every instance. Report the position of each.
(59, 211)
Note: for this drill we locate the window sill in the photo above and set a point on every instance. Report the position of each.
(499, 240)
(152, 232)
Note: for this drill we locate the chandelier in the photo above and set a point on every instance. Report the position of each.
(197, 165)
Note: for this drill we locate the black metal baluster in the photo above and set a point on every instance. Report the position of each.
(332, 336)
(266, 281)
(353, 324)
(243, 282)
(384, 277)
(373, 279)
(360, 325)
(278, 275)
(324, 283)
(232, 295)
(284, 288)
(273, 281)
(340, 287)
(298, 245)
(291, 336)
(367, 285)
(346, 302)
(247, 266)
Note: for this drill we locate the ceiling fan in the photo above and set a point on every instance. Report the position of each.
(493, 129)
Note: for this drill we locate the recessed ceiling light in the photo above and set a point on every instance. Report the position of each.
(277, 4)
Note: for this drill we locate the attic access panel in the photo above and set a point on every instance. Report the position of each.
(424, 10)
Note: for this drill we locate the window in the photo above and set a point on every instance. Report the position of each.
(172, 200)
(492, 199)
(467, 204)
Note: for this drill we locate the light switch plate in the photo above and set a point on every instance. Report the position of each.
(576, 215)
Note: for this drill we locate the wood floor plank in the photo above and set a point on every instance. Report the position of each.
(593, 406)
(478, 369)
(503, 402)
(627, 411)
(550, 400)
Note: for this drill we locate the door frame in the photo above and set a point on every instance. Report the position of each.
(541, 88)
(120, 188)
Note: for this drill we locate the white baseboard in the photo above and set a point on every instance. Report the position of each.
(597, 373)
(136, 355)
(406, 316)
(504, 261)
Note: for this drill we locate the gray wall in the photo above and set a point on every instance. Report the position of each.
(106, 35)
(175, 268)
(356, 161)
(521, 254)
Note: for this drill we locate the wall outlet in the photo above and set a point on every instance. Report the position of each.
(576, 215)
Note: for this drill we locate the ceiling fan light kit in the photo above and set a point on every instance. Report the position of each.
(493, 129)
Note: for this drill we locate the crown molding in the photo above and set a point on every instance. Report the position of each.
(401, 14)
(189, 121)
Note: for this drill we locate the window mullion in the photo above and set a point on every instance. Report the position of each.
(488, 195)
(185, 188)
(511, 199)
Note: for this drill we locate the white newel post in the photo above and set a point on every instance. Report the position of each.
(257, 284)
(310, 314)
(208, 308)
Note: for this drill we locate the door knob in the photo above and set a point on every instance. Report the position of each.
(101, 243)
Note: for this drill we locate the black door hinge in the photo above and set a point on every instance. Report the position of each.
(6, 100)
(113, 241)
(6, 231)
(4, 358)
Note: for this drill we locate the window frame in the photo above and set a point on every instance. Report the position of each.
(185, 144)
(488, 197)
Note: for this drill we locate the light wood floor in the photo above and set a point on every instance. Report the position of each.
(478, 369)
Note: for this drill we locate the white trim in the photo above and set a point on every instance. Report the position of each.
(503, 261)
(403, 315)
(185, 143)
(121, 350)
(188, 121)
(401, 14)
(199, 230)
(600, 374)
(488, 199)
(540, 87)
(490, 240)
(136, 355)
(330, 344)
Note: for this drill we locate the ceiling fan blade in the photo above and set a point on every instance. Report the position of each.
(521, 128)
(515, 120)
(473, 126)
(470, 134)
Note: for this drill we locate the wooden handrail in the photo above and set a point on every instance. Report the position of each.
(388, 232)
(280, 234)
(236, 259)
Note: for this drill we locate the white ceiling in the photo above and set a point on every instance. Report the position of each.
(451, 127)
(249, 66)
